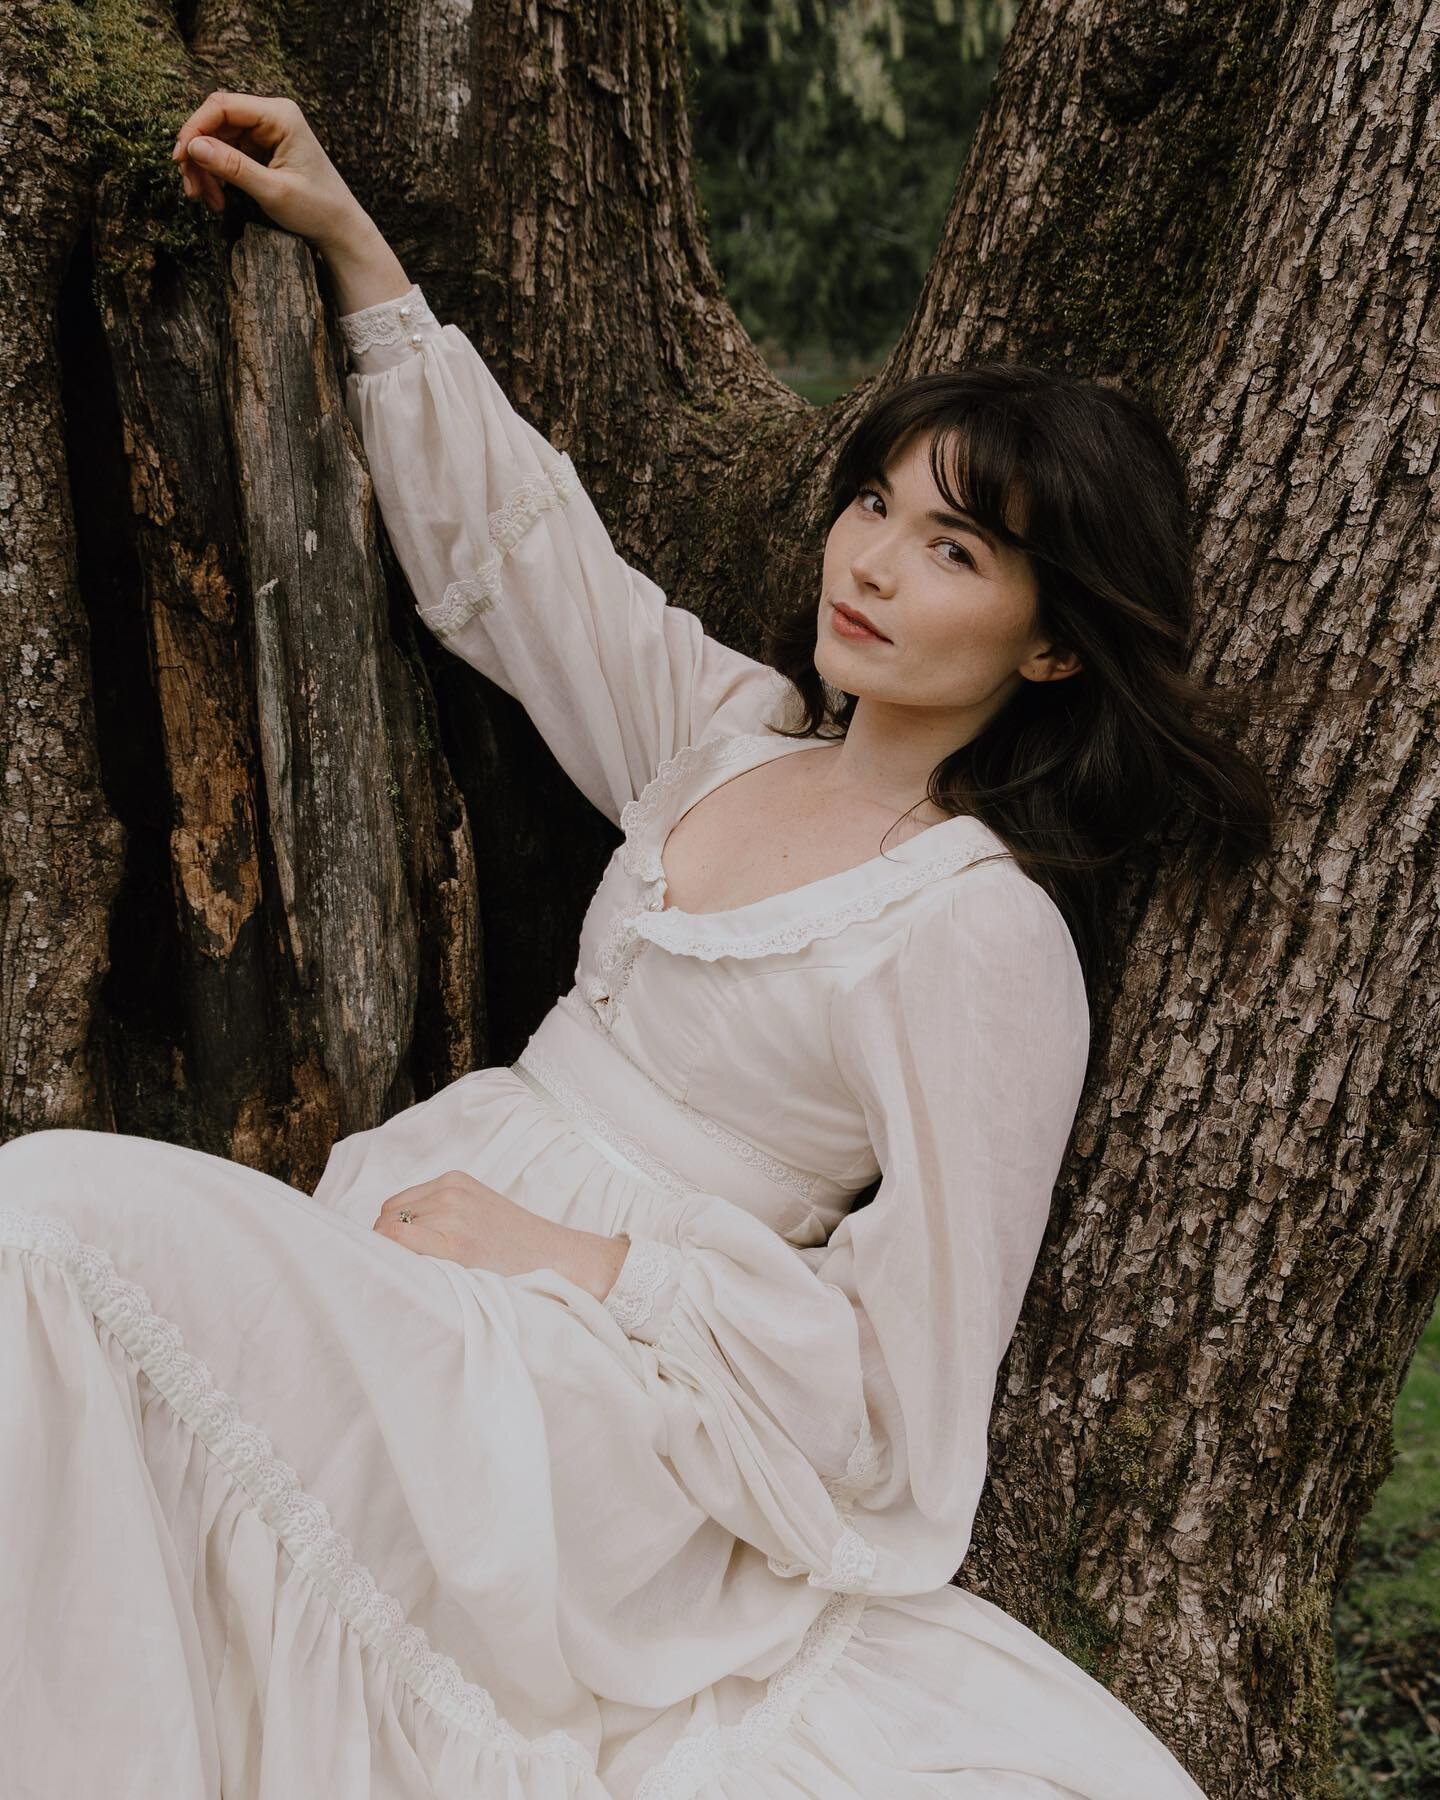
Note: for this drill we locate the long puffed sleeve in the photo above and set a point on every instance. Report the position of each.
(831, 1405)
(513, 569)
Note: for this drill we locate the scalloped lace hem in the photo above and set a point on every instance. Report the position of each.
(299, 1520)
(694, 1760)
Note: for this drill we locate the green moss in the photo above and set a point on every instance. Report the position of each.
(1293, 1647)
(1122, 1460)
(123, 85)
(1083, 1629)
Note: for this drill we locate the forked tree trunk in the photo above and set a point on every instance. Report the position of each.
(252, 814)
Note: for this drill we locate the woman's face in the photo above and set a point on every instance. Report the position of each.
(957, 606)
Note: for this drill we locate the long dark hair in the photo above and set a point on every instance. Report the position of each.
(1075, 775)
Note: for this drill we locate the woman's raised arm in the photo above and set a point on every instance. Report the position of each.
(513, 569)
(510, 564)
(266, 148)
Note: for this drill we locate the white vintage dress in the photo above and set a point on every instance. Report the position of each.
(290, 1510)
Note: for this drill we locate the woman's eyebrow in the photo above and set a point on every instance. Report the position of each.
(955, 521)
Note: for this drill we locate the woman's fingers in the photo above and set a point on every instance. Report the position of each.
(225, 114)
(202, 180)
(199, 184)
(222, 118)
(265, 147)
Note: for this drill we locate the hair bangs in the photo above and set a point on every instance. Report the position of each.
(976, 453)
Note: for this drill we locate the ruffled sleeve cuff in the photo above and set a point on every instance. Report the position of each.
(383, 336)
(645, 1289)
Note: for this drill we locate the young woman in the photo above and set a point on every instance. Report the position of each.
(580, 1435)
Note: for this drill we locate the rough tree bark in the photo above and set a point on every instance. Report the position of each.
(252, 816)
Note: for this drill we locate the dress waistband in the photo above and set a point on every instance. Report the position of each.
(594, 1137)
(648, 1131)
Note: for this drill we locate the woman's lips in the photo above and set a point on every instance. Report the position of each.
(853, 629)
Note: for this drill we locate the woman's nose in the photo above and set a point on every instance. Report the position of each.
(873, 566)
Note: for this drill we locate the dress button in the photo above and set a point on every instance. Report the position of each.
(404, 312)
(415, 338)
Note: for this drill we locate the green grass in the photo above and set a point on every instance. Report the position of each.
(820, 378)
(1387, 1617)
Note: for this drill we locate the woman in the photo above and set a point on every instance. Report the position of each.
(580, 1435)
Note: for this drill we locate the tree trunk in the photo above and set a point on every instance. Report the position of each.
(206, 642)
(60, 842)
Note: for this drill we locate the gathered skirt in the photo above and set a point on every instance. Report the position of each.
(292, 1510)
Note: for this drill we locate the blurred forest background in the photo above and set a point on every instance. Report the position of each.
(829, 135)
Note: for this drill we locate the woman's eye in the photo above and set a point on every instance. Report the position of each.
(961, 559)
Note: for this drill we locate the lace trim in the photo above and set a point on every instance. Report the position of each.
(641, 854)
(531, 496)
(694, 1760)
(299, 1520)
(704, 935)
(589, 1119)
(862, 1471)
(648, 1265)
(852, 1561)
(377, 327)
(615, 959)
(783, 1174)
(684, 933)
(640, 858)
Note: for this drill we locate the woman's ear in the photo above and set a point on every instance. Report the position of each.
(1053, 664)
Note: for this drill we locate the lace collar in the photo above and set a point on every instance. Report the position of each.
(790, 920)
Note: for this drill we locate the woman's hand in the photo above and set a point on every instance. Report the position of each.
(456, 1217)
(266, 148)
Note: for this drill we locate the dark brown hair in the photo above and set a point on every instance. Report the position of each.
(1075, 775)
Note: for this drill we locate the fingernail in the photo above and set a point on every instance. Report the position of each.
(201, 148)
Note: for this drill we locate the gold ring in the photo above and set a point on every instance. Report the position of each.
(406, 1215)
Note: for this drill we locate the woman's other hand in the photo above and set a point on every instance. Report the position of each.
(266, 148)
(456, 1217)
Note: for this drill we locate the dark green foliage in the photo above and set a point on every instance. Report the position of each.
(823, 221)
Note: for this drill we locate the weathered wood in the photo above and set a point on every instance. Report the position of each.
(318, 615)
(163, 329)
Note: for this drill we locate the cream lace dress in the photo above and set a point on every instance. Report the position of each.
(290, 1510)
